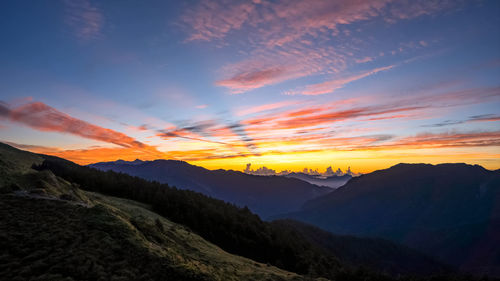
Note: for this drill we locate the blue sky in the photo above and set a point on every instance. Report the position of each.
(223, 83)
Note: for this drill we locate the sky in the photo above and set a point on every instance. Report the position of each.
(282, 84)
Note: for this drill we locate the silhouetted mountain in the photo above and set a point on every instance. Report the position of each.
(374, 253)
(265, 195)
(61, 221)
(450, 211)
(332, 181)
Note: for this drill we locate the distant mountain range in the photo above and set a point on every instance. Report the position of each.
(265, 195)
(449, 211)
(331, 181)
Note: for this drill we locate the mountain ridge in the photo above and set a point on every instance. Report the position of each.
(265, 195)
(452, 205)
(48, 176)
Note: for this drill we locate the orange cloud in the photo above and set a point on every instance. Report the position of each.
(42, 117)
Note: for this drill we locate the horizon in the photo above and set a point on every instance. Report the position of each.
(262, 170)
(365, 85)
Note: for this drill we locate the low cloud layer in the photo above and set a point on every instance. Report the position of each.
(329, 172)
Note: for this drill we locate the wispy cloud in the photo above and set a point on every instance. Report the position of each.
(452, 139)
(332, 85)
(475, 118)
(42, 117)
(281, 128)
(264, 107)
(292, 39)
(253, 79)
(286, 21)
(363, 60)
(84, 18)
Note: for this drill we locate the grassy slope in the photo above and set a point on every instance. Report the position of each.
(51, 230)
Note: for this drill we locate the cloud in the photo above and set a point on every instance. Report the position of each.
(330, 126)
(325, 115)
(476, 118)
(453, 139)
(280, 22)
(34, 148)
(332, 85)
(264, 107)
(214, 19)
(85, 19)
(201, 106)
(253, 79)
(42, 117)
(286, 40)
(363, 60)
(484, 117)
(408, 9)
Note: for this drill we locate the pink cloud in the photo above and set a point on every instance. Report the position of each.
(326, 116)
(42, 117)
(250, 80)
(277, 34)
(285, 21)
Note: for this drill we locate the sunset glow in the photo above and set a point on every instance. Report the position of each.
(281, 84)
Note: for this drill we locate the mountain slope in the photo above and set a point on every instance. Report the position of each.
(52, 230)
(416, 204)
(373, 253)
(265, 195)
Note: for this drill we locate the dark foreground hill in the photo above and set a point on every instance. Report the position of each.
(449, 211)
(55, 226)
(264, 195)
(52, 230)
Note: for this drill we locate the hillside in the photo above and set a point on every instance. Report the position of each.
(52, 230)
(449, 211)
(264, 195)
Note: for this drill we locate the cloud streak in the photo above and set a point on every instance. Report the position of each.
(42, 117)
(264, 107)
(476, 118)
(332, 85)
